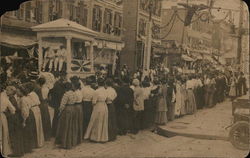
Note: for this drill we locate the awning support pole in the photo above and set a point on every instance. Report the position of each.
(69, 53)
(40, 54)
(91, 53)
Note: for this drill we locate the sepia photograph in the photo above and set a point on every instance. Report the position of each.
(125, 78)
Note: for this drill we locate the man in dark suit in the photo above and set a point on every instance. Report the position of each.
(124, 107)
(55, 97)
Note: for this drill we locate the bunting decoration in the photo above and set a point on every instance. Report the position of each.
(80, 65)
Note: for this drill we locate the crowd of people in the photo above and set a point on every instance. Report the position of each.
(99, 107)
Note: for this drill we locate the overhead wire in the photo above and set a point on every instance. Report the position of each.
(174, 13)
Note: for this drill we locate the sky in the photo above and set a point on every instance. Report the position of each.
(227, 4)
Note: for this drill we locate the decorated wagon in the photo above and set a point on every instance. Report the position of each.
(65, 46)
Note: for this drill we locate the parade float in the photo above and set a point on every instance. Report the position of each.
(78, 42)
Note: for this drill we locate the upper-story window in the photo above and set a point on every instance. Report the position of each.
(20, 13)
(97, 18)
(107, 27)
(117, 24)
(38, 12)
(151, 5)
(142, 27)
(156, 31)
(55, 9)
(28, 11)
(82, 13)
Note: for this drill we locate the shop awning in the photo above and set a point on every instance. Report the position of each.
(158, 50)
(16, 41)
(187, 58)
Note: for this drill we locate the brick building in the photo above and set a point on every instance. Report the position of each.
(102, 16)
(136, 23)
(194, 39)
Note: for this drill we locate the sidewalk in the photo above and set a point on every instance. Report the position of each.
(210, 123)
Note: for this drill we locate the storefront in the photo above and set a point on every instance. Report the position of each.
(19, 52)
(158, 56)
(106, 55)
(67, 36)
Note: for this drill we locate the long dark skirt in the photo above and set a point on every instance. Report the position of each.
(171, 110)
(124, 119)
(16, 133)
(87, 111)
(29, 134)
(55, 121)
(147, 114)
(79, 120)
(112, 124)
(69, 130)
(46, 120)
(199, 97)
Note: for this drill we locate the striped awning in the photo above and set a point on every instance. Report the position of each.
(16, 41)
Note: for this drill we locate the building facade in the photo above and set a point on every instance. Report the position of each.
(136, 25)
(225, 40)
(102, 16)
(194, 39)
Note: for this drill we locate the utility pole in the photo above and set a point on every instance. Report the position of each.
(184, 28)
(239, 51)
(147, 53)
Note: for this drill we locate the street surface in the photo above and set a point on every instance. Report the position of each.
(149, 144)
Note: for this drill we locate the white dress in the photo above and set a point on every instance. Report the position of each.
(35, 102)
(179, 101)
(98, 126)
(5, 139)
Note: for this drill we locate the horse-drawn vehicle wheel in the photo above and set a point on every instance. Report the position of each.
(239, 135)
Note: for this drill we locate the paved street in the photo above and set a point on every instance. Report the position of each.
(149, 144)
(210, 123)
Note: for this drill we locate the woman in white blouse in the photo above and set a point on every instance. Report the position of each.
(78, 132)
(34, 104)
(191, 103)
(97, 130)
(5, 105)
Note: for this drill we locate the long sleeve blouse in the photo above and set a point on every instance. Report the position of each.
(68, 98)
(5, 103)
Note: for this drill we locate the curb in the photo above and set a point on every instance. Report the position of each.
(169, 134)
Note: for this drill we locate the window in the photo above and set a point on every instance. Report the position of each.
(107, 27)
(156, 31)
(117, 24)
(97, 18)
(27, 11)
(82, 13)
(38, 12)
(155, 6)
(20, 12)
(143, 4)
(142, 27)
(55, 9)
(158, 8)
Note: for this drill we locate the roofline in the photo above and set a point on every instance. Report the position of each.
(92, 33)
